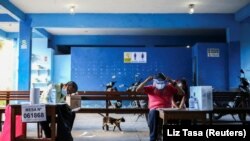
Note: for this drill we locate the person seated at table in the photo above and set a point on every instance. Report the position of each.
(181, 101)
(160, 95)
(66, 117)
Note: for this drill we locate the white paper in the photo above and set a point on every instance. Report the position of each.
(34, 95)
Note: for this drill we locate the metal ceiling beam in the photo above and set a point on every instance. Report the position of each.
(42, 32)
(13, 11)
(243, 14)
(6, 18)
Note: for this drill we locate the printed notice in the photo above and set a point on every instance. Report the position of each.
(33, 113)
(23, 44)
(135, 57)
(213, 52)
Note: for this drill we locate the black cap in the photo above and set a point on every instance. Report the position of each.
(160, 76)
(73, 84)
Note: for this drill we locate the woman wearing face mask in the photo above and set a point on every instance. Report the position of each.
(180, 101)
(65, 114)
(160, 95)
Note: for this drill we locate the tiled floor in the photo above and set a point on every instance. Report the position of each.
(88, 127)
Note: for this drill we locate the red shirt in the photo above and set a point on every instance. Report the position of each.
(160, 98)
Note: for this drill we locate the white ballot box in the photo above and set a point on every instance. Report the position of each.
(202, 97)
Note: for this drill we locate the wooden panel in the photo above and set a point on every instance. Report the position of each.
(120, 111)
(106, 96)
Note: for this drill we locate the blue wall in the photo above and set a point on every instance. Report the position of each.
(61, 68)
(234, 65)
(245, 48)
(92, 68)
(212, 70)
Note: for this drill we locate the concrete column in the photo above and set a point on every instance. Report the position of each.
(25, 52)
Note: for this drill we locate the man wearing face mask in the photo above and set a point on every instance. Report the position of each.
(160, 95)
(59, 92)
(65, 118)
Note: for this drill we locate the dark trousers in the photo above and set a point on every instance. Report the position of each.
(153, 122)
(46, 125)
(65, 120)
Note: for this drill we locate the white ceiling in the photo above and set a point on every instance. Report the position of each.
(129, 6)
(118, 6)
(9, 26)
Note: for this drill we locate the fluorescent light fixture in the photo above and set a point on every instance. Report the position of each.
(191, 8)
(72, 9)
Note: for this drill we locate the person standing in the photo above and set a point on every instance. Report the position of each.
(160, 95)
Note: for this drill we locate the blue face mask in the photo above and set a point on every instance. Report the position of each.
(64, 92)
(159, 84)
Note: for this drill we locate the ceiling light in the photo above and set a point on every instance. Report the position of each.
(72, 9)
(188, 46)
(191, 8)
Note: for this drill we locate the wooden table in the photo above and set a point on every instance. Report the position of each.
(50, 111)
(2, 110)
(182, 114)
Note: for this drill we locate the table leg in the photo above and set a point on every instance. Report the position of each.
(53, 124)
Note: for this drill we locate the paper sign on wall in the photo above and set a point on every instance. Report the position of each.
(23, 44)
(135, 57)
(213, 52)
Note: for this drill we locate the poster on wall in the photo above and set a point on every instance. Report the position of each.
(213, 52)
(135, 57)
(23, 44)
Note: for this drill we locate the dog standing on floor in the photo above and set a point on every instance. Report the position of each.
(112, 121)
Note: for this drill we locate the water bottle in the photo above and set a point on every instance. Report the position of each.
(191, 102)
(196, 104)
(52, 96)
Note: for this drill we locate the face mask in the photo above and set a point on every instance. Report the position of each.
(179, 84)
(159, 84)
(64, 92)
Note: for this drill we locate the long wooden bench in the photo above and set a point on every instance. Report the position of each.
(221, 98)
(107, 96)
(7, 96)
(82, 96)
